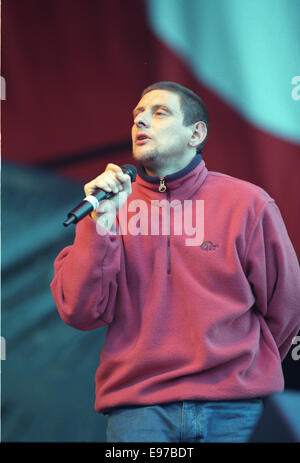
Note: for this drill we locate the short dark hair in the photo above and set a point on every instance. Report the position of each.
(192, 106)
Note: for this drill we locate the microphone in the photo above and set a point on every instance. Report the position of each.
(91, 202)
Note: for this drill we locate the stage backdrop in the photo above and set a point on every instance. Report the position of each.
(74, 70)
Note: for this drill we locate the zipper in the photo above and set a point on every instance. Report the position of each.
(162, 188)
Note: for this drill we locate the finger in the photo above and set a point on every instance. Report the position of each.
(89, 188)
(115, 182)
(118, 172)
(123, 178)
(111, 180)
(113, 168)
(107, 183)
(98, 183)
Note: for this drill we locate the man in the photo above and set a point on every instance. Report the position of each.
(199, 316)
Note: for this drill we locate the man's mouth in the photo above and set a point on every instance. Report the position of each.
(141, 138)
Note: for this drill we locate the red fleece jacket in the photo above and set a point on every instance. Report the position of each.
(208, 321)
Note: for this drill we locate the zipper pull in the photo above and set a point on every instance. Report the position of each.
(162, 187)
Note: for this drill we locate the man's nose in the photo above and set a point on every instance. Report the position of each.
(141, 121)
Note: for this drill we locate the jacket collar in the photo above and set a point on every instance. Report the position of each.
(176, 175)
(185, 181)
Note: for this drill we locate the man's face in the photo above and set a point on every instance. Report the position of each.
(158, 117)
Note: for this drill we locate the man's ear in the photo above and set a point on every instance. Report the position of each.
(199, 132)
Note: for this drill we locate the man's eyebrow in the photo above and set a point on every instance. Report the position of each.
(154, 108)
(137, 110)
(161, 106)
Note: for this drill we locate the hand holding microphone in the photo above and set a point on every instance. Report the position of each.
(113, 184)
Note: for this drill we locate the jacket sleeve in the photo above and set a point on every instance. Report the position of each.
(272, 269)
(84, 286)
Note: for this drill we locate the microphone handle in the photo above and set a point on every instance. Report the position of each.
(88, 205)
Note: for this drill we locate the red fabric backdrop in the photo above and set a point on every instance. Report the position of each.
(74, 70)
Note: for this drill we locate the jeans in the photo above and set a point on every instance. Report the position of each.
(187, 421)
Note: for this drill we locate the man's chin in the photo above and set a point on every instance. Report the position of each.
(145, 157)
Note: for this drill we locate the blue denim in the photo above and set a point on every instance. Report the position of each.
(187, 421)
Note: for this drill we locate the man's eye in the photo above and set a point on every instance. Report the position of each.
(160, 113)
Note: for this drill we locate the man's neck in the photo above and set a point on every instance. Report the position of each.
(169, 168)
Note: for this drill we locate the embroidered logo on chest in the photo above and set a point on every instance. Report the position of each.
(209, 246)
